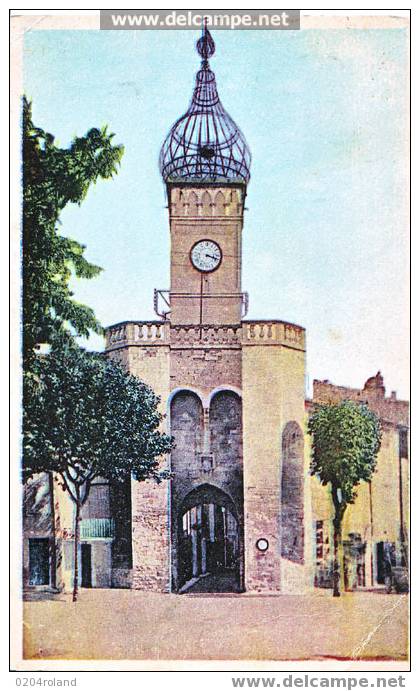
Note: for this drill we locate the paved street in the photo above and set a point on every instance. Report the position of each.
(124, 624)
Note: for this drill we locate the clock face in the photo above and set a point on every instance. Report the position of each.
(206, 255)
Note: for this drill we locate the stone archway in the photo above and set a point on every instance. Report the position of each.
(209, 541)
(207, 454)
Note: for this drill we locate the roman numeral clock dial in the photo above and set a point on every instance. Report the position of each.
(206, 256)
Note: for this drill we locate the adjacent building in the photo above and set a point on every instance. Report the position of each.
(376, 526)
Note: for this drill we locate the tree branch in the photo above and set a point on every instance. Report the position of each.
(67, 486)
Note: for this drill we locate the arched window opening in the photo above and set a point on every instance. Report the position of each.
(226, 429)
(187, 429)
(292, 494)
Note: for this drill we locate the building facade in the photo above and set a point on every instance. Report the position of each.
(241, 506)
(376, 526)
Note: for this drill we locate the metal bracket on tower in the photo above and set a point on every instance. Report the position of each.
(162, 300)
(159, 297)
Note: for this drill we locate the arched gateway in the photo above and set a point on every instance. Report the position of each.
(207, 490)
(209, 543)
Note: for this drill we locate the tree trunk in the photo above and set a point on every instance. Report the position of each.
(76, 549)
(53, 546)
(337, 564)
(339, 508)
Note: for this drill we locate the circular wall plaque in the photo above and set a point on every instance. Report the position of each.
(262, 544)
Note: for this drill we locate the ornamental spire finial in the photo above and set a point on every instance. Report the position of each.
(205, 45)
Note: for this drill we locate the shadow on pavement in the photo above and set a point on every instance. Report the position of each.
(43, 595)
(217, 583)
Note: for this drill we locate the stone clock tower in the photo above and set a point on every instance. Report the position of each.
(232, 517)
(205, 163)
(206, 225)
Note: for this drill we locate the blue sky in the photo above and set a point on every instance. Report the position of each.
(325, 237)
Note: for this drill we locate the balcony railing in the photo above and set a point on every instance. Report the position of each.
(97, 527)
(247, 333)
(273, 332)
(150, 333)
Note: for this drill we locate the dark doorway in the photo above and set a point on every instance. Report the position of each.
(385, 560)
(209, 542)
(39, 561)
(86, 566)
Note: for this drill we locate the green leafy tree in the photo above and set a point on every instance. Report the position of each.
(345, 442)
(87, 417)
(52, 178)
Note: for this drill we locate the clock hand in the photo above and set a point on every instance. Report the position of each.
(211, 256)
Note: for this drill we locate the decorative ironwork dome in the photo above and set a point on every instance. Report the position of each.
(205, 144)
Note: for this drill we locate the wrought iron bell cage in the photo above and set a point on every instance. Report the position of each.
(205, 144)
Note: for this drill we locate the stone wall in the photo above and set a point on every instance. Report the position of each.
(149, 501)
(205, 368)
(273, 395)
(389, 409)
